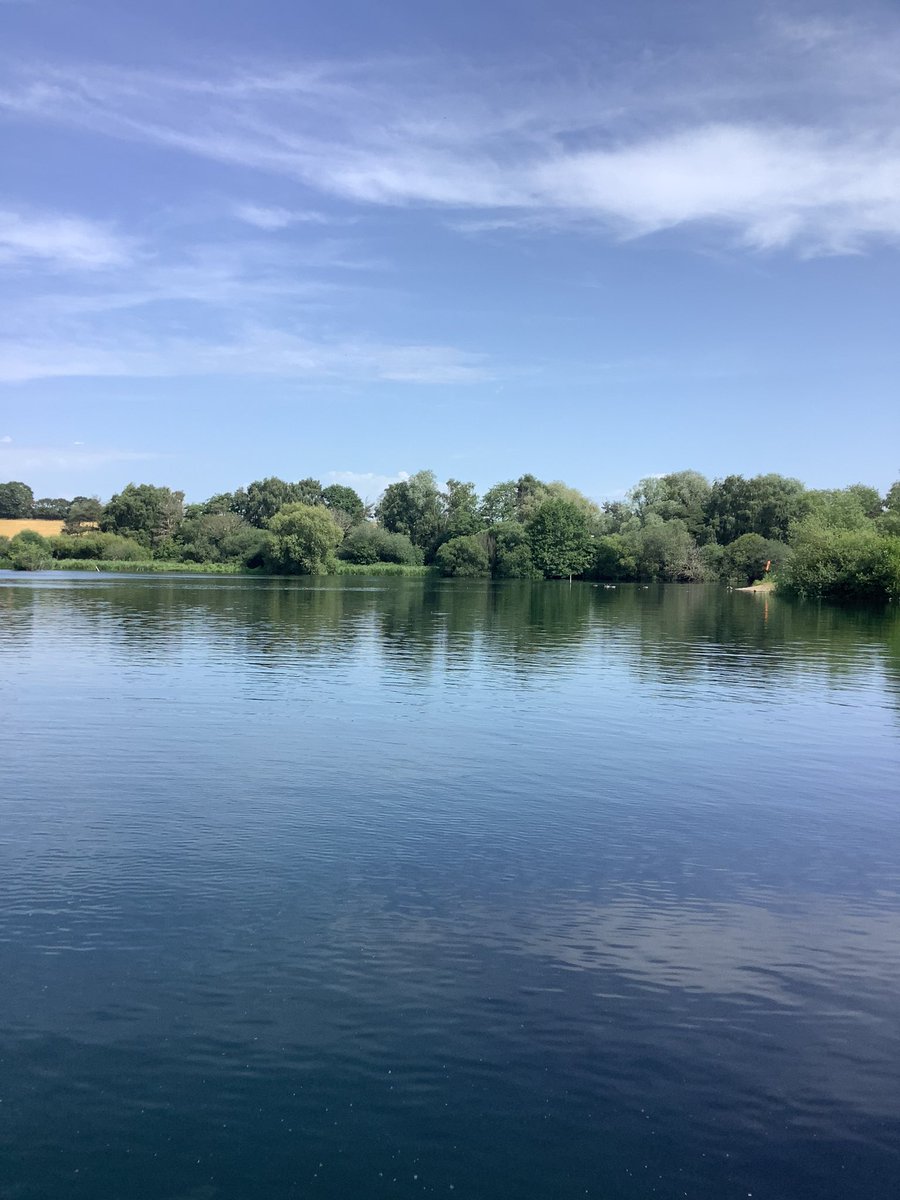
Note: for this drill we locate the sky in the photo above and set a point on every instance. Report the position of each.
(590, 241)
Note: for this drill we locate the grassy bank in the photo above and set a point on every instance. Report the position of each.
(152, 567)
(382, 568)
(766, 585)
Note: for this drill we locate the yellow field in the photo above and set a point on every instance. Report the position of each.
(9, 528)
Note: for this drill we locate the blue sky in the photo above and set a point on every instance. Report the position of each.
(594, 242)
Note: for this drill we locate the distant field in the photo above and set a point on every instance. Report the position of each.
(9, 528)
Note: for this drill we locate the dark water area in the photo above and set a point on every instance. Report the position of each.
(387, 888)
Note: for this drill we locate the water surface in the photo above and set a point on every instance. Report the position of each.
(394, 888)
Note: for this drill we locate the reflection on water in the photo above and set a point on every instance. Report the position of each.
(389, 888)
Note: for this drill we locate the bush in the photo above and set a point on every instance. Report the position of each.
(464, 557)
(28, 551)
(302, 540)
(370, 543)
(614, 558)
(216, 538)
(843, 565)
(560, 539)
(108, 546)
(510, 552)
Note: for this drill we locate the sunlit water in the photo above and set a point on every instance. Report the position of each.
(384, 888)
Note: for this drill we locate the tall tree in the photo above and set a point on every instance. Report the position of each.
(50, 509)
(560, 539)
(261, 499)
(16, 500)
(531, 493)
(414, 507)
(142, 511)
(340, 498)
(308, 491)
(84, 513)
(303, 539)
(499, 503)
(461, 516)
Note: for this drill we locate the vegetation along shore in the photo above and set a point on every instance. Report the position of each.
(836, 543)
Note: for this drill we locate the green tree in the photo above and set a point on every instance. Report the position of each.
(217, 505)
(339, 498)
(368, 543)
(560, 540)
(148, 514)
(510, 552)
(557, 490)
(842, 564)
(49, 509)
(308, 491)
(614, 558)
(262, 499)
(767, 504)
(531, 493)
(499, 504)
(28, 551)
(219, 538)
(843, 508)
(680, 495)
(665, 550)
(302, 540)
(414, 507)
(464, 557)
(84, 513)
(94, 545)
(869, 499)
(888, 521)
(461, 515)
(16, 500)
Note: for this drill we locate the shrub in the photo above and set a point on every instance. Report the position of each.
(214, 538)
(369, 543)
(843, 564)
(464, 557)
(28, 551)
(615, 558)
(108, 546)
(510, 552)
(302, 540)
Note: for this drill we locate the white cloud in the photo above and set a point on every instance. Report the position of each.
(22, 459)
(253, 351)
(5, 440)
(245, 307)
(790, 140)
(273, 219)
(368, 484)
(60, 241)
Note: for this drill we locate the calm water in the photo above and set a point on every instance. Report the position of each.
(399, 889)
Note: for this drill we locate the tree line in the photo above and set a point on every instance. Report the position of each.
(678, 527)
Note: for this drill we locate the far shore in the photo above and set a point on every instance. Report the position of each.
(767, 586)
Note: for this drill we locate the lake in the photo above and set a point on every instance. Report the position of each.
(390, 888)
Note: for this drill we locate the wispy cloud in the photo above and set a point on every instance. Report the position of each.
(254, 351)
(246, 306)
(19, 460)
(273, 219)
(59, 241)
(802, 152)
